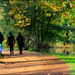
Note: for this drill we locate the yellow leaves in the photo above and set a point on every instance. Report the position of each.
(24, 11)
(49, 5)
(43, 3)
(64, 3)
(17, 8)
(24, 17)
(20, 22)
(11, 2)
(11, 12)
(64, 15)
(19, 16)
(28, 24)
(48, 14)
(23, 23)
(70, 5)
(15, 16)
(27, 20)
(53, 7)
(20, 11)
(45, 10)
(16, 24)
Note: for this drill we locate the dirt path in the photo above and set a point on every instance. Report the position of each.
(31, 63)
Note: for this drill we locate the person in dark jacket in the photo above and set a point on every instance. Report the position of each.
(20, 41)
(11, 42)
(1, 40)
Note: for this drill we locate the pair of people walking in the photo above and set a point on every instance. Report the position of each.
(11, 42)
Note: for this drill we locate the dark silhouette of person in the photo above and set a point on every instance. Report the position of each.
(11, 42)
(20, 41)
(1, 40)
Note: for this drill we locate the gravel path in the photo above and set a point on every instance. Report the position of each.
(31, 63)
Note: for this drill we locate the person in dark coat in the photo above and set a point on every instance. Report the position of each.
(11, 42)
(20, 41)
(1, 40)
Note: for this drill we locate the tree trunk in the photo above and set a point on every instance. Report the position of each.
(42, 24)
(38, 41)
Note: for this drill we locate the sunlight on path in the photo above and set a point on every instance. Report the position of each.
(31, 63)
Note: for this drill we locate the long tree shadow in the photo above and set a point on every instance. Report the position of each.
(23, 55)
(46, 62)
(69, 60)
(53, 71)
(31, 65)
(31, 61)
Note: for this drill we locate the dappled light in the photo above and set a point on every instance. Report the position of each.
(31, 62)
(37, 37)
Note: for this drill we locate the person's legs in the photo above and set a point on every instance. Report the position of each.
(11, 49)
(0, 48)
(20, 49)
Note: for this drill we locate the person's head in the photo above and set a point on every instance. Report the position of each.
(10, 33)
(19, 33)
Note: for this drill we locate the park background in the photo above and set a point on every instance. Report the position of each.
(48, 26)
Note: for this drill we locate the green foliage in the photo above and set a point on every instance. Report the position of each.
(45, 20)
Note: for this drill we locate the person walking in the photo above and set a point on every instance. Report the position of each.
(11, 42)
(1, 40)
(20, 41)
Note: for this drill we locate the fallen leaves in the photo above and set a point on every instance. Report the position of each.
(9, 63)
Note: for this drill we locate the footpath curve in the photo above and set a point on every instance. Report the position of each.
(31, 63)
